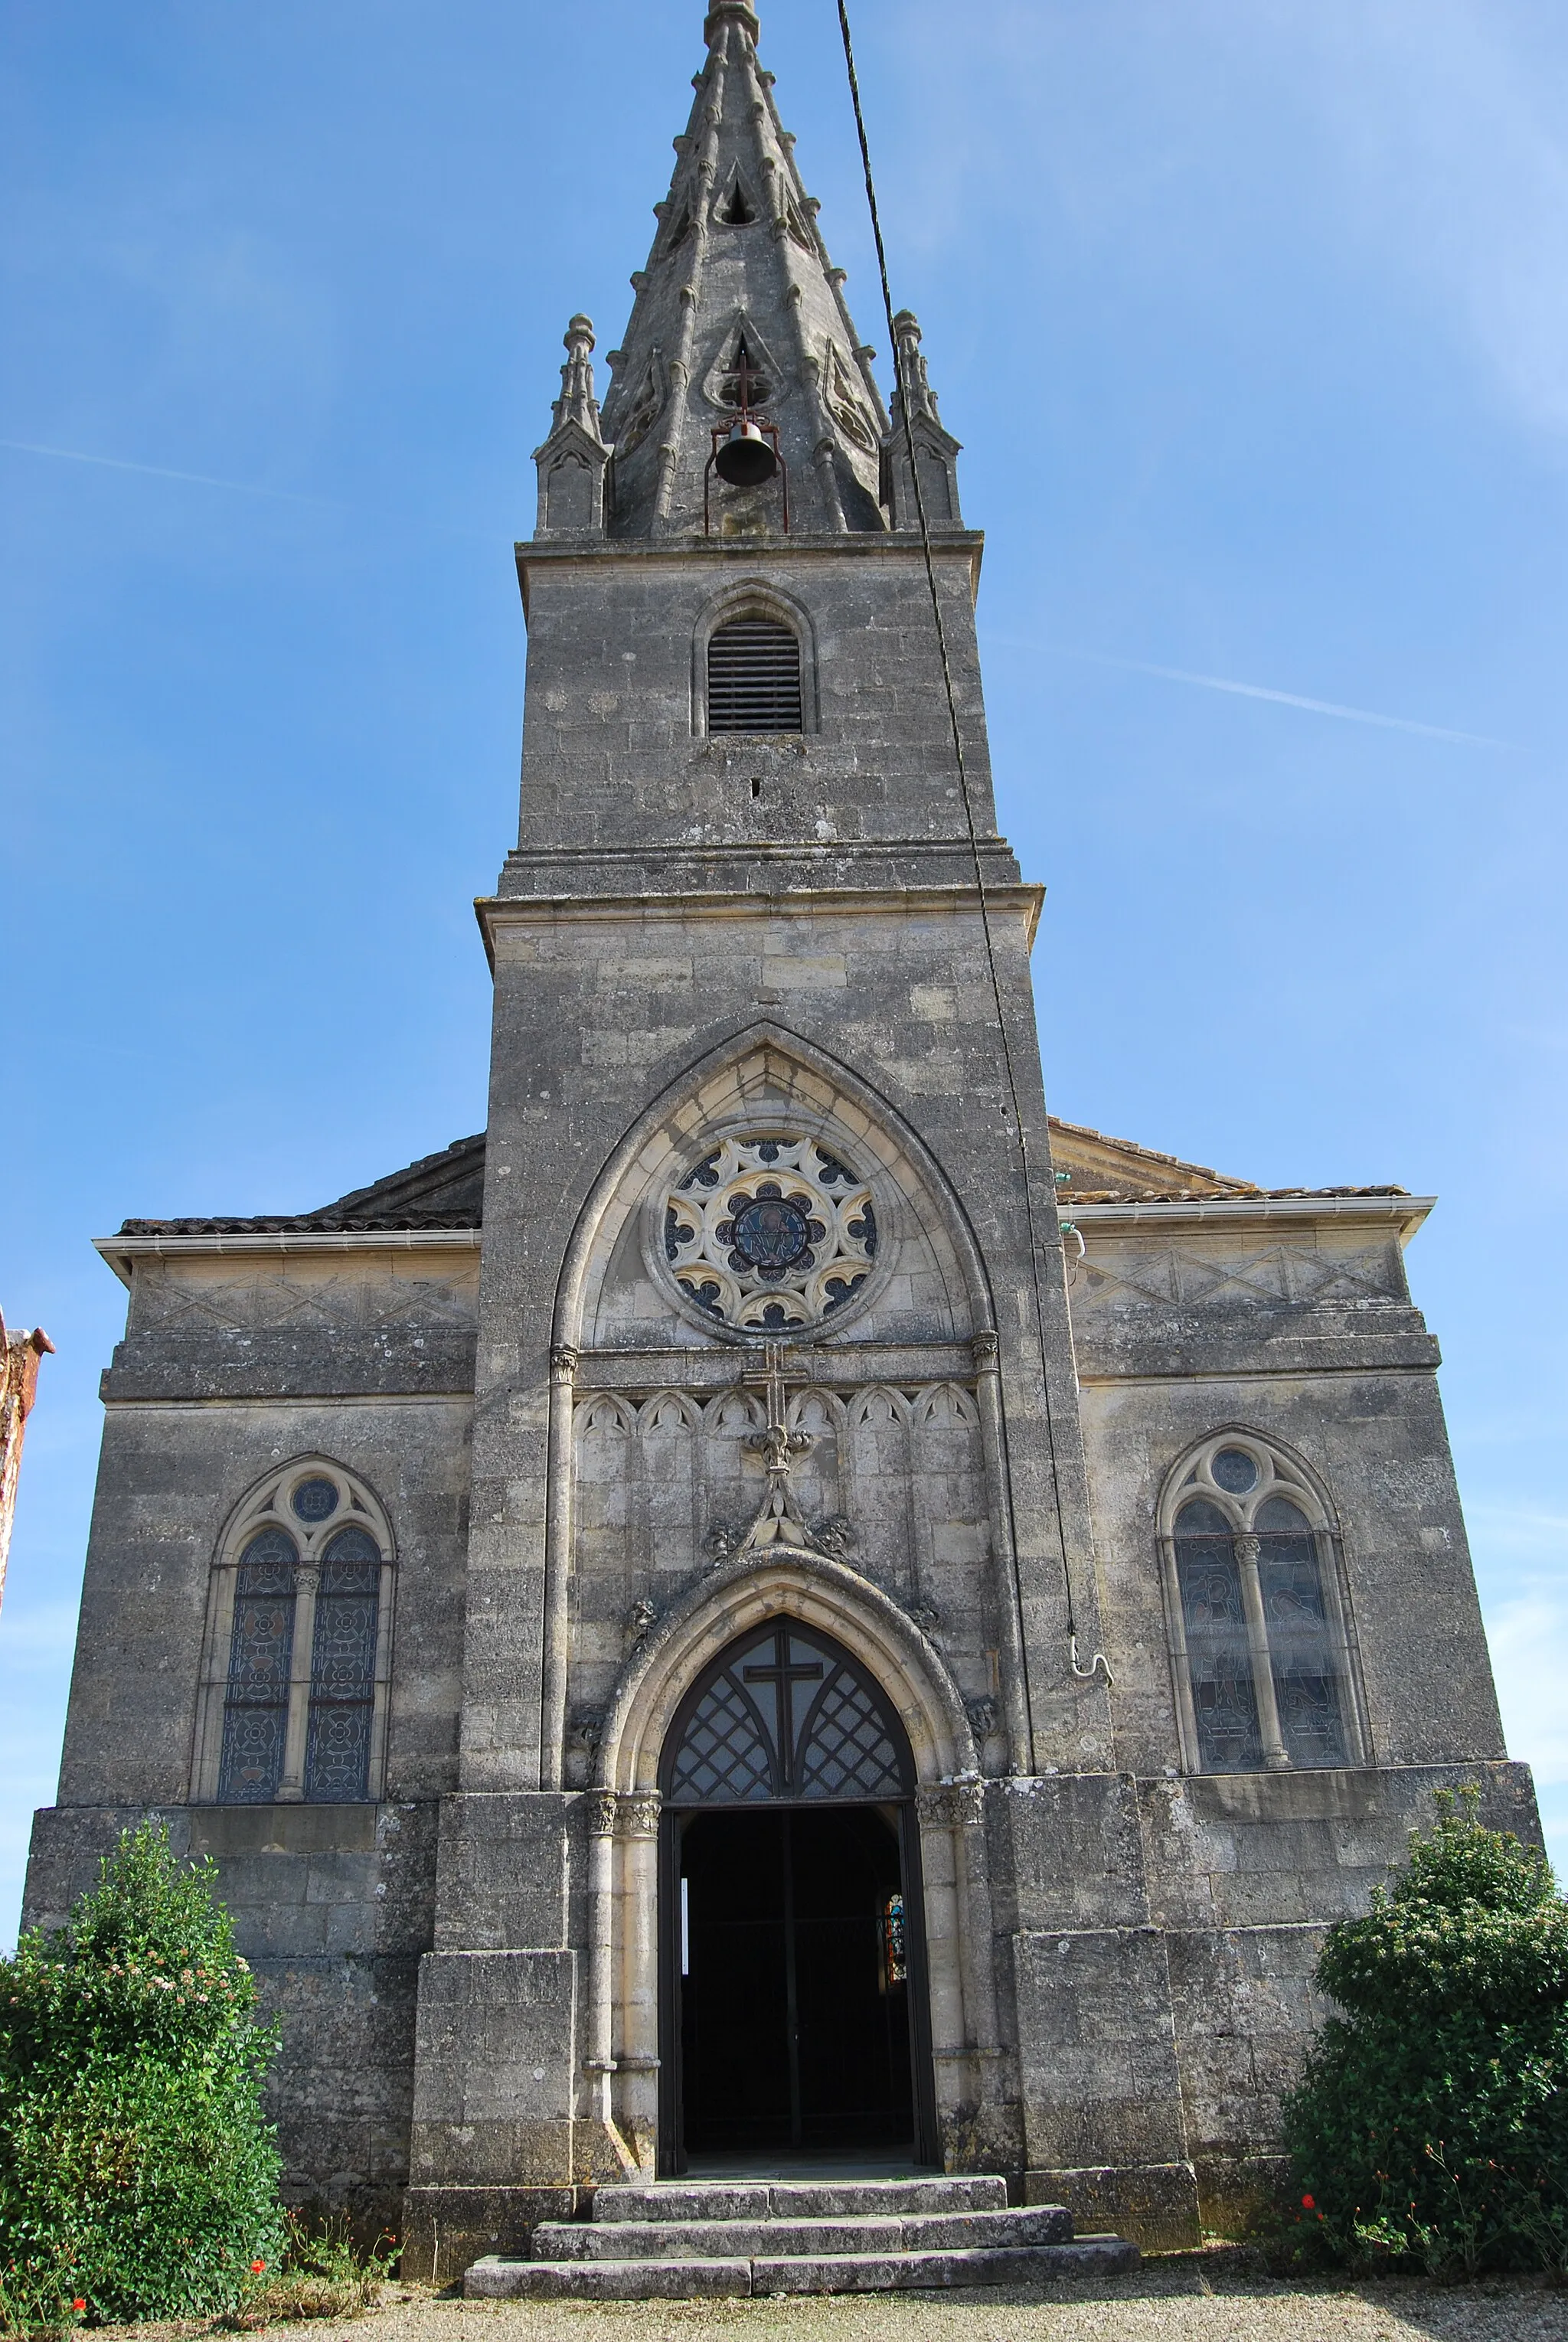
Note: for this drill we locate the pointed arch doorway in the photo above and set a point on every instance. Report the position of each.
(793, 2008)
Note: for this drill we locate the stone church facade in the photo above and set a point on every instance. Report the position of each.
(692, 1627)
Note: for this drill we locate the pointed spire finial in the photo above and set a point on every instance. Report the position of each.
(732, 11)
(577, 403)
(911, 377)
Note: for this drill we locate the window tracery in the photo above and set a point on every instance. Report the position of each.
(1259, 1644)
(769, 1235)
(294, 1698)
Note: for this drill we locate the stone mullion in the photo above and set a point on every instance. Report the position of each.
(307, 1586)
(1181, 1659)
(1248, 1549)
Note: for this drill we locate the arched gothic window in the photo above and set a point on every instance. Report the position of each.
(293, 1696)
(753, 676)
(1258, 1640)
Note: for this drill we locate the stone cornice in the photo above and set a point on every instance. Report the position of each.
(497, 911)
(753, 553)
(1404, 1212)
(120, 1252)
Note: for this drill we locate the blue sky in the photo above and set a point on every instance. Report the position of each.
(1251, 315)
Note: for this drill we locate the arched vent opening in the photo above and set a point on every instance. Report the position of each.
(755, 678)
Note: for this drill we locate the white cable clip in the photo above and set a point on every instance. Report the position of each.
(1088, 1673)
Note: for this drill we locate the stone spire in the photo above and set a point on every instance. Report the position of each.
(739, 299)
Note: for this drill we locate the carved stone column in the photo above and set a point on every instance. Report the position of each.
(558, 1568)
(944, 1811)
(598, 2061)
(637, 2051)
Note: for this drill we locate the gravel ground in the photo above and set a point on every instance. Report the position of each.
(1176, 2301)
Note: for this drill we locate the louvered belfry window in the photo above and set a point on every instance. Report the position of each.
(753, 677)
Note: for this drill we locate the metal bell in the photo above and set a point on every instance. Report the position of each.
(746, 460)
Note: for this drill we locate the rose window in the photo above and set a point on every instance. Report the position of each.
(770, 1233)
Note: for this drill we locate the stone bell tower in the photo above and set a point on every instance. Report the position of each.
(744, 926)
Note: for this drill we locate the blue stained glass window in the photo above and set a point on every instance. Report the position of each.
(315, 1499)
(343, 1670)
(261, 1650)
(1219, 1657)
(1234, 1470)
(1307, 1688)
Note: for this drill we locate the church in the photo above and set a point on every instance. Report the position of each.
(778, 1609)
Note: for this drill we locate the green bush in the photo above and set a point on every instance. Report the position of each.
(137, 2176)
(1431, 2120)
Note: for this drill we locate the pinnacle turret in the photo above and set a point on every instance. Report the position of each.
(739, 306)
(936, 451)
(573, 458)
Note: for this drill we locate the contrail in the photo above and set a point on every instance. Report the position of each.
(161, 471)
(1285, 698)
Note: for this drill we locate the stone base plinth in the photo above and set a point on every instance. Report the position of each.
(1156, 2205)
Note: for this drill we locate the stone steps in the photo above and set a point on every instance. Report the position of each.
(702, 2239)
(640, 2240)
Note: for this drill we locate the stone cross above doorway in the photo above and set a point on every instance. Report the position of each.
(776, 1521)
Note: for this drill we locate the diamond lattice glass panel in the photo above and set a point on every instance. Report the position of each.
(343, 1670)
(724, 1757)
(768, 1233)
(1219, 1657)
(261, 1649)
(1300, 1647)
(847, 1752)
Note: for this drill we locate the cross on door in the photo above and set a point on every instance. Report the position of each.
(783, 1675)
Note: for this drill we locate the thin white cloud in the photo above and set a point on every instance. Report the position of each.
(161, 471)
(1285, 698)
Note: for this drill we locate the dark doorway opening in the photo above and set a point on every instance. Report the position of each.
(792, 2012)
(793, 1981)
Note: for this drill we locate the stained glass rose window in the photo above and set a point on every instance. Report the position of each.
(769, 1233)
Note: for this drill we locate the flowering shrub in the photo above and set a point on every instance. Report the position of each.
(1431, 2120)
(137, 2176)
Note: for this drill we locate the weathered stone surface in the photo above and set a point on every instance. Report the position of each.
(494, 2279)
(1155, 2206)
(936, 2272)
(446, 2229)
